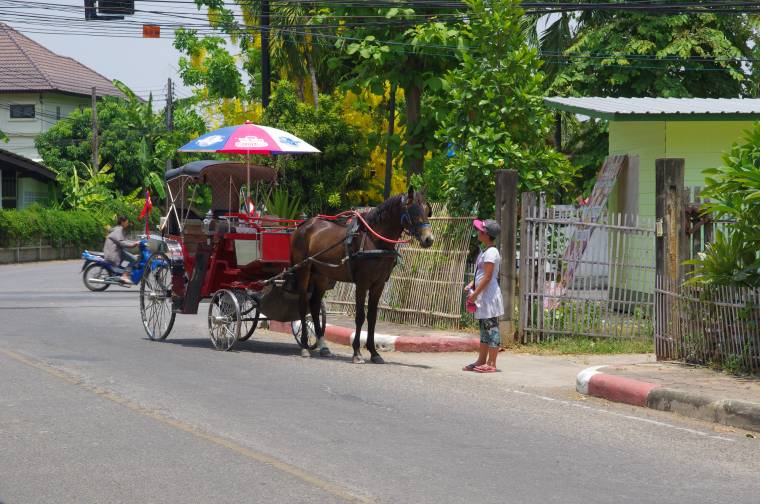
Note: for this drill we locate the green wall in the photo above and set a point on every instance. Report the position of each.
(700, 143)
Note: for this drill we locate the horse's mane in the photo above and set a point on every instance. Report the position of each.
(378, 213)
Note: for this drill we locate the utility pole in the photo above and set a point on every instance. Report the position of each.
(169, 116)
(94, 129)
(265, 71)
(388, 154)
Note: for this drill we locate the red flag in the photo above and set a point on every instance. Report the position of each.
(145, 214)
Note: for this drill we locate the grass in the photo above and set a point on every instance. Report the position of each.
(580, 345)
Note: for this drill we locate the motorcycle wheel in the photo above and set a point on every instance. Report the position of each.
(95, 271)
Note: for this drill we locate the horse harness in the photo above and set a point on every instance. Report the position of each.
(352, 232)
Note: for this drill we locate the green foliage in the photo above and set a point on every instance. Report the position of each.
(415, 58)
(57, 227)
(218, 73)
(638, 54)
(496, 116)
(321, 181)
(88, 191)
(282, 205)
(734, 191)
(133, 140)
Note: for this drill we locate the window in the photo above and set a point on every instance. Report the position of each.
(8, 191)
(58, 113)
(22, 111)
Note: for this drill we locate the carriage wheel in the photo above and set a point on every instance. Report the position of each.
(249, 312)
(224, 319)
(312, 341)
(156, 297)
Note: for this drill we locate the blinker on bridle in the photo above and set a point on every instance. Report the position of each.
(406, 220)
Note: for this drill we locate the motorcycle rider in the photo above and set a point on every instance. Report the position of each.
(115, 245)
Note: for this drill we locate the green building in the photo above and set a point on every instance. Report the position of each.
(699, 130)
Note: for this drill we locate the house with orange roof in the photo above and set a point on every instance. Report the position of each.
(37, 89)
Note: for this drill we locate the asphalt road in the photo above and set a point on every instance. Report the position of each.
(93, 412)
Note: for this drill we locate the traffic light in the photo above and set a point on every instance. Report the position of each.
(118, 7)
(108, 10)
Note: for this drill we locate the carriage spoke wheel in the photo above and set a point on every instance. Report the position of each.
(224, 319)
(156, 297)
(311, 342)
(249, 313)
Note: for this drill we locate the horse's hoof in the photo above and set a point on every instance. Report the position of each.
(305, 352)
(357, 360)
(325, 352)
(376, 359)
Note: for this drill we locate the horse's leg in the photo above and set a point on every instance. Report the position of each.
(374, 299)
(361, 295)
(315, 303)
(302, 283)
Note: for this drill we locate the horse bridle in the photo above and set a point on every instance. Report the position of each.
(406, 221)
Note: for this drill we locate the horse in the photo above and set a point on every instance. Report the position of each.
(330, 252)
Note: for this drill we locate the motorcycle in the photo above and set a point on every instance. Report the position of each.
(99, 274)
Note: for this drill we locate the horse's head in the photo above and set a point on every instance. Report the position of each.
(414, 218)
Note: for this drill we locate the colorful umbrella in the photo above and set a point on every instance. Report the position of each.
(249, 139)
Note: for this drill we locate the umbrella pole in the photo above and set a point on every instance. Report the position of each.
(248, 170)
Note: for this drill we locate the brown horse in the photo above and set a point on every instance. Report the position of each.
(351, 253)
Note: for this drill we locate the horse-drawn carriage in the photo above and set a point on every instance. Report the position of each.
(251, 265)
(226, 255)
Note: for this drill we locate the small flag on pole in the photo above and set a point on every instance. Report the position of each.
(146, 212)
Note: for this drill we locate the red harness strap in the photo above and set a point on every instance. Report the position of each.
(359, 216)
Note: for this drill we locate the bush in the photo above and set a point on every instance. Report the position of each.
(734, 191)
(56, 227)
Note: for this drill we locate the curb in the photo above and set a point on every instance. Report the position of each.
(388, 343)
(731, 412)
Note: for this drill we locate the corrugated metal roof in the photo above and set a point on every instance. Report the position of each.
(25, 65)
(660, 109)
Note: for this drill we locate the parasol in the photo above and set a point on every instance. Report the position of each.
(249, 139)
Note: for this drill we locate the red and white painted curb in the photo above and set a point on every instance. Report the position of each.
(390, 343)
(733, 412)
(613, 388)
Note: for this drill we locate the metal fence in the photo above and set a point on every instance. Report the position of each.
(585, 277)
(425, 288)
(708, 325)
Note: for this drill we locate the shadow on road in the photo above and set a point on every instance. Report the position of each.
(276, 348)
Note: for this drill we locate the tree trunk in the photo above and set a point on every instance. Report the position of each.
(413, 98)
(313, 76)
(312, 73)
(299, 89)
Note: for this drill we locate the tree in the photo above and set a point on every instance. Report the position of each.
(133, 140)
(321, 181)
(637, 54)
(413, 48)
(496, 117)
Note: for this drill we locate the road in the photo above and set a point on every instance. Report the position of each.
(93, 412)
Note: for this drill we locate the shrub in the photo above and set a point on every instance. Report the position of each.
(56, 227)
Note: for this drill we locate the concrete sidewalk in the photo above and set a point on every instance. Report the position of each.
(390, 337)
(692, 391)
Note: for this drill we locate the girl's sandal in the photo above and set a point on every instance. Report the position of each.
(470, 367)
(485, 368)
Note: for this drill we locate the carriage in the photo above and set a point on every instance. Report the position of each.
(236, 256)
